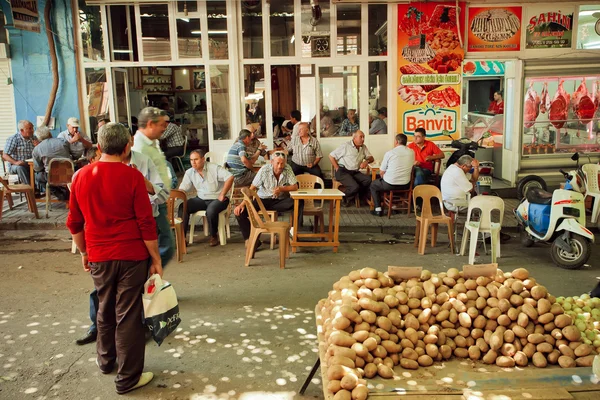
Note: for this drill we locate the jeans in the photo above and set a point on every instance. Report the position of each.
(21, 171)
(421, 176)
(212, 208)
(94, 310)
(166, 241)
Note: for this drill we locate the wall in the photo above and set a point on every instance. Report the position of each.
(31, 66)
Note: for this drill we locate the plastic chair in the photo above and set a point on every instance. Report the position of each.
(60, 173)
(401, 199)
(592, 188)
(224, 229)
(427, 219)
(264, 226)
(486, 204)
(19, 188)
(177, 223)
(210, 156)
(308, 181)
(180, 157)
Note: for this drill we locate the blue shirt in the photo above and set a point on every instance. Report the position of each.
(234, 158)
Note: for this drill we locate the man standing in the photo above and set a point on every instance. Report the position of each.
(239, 162)
(426, 153)
(46, 150)
(306, 153)
(152, 123)
(295, 118)
(112, 225)
(212, 184)
(172, 141)
(274, 181)
(376, 125)
(78, 141)
(18, 149)
(455, 185)
(347, 160)
(395, 171)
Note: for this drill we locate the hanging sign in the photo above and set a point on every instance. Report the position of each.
(494, 29)
(483, 68)
(430, 61)
(549, 29)
(25, 15)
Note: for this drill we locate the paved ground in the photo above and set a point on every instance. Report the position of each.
(247, 333)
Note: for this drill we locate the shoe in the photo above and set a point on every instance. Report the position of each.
(504, 237)
(145, 379)
(105, 372)
(90, 337)
(377, 213)
(347, 202)
(214, 241)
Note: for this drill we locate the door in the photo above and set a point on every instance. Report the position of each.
(121, 97)
(512, 124)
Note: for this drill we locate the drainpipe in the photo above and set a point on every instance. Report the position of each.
(53, 58)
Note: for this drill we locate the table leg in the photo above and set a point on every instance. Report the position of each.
(330, 237)
(337, 224)
(31, 176)
(295, 223)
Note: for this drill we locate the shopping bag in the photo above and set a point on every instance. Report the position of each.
(161, 311)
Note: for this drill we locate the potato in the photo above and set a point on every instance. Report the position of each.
(446, 351)
(496, 340)
(368, 273)
(583, 350)
(360, 392)
(544, 306)
(557, 309)
(516, 300)
(416, 292)
(364, 326)
(341, 338)
(460, 341)
(360, 336)
(360, 362)
(370, 344)
(544, 348)
(571, 333)
(431, 350)
(494, 313)
(520, 273)
(504, 293)
(369, 304)
(343, 395)
(521, 359)
(337, 372)
(529, 349)
(334, 386)
(538, 292)
(349, 381)
(341, 360)
(530, 311)
(546, 318)
(536, 338)
(562, 321)
(474, 353)
(410, 354)
(539, 360)
(566, 351)
(384, 323)
(504, 361)
(370, 370)
(408, 363)
(585, 361)
(341, 323)
(553, 357)
(411, 335)
(566, 362)
(343, 351)
(379, 352)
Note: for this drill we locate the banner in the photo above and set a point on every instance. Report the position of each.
(483, 68)
(549, 28)
(494, 29)
(429, 59)
(25, 15)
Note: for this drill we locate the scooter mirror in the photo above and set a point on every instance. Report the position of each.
(575, 157)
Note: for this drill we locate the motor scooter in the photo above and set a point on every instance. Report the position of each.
(466, 146)
(557, 218)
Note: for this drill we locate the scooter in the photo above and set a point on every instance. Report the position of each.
(466, 146)
(557, 218)
(533, 181)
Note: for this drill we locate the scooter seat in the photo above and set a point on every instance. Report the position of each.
(538, 196)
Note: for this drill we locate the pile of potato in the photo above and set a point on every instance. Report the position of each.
(369, 324)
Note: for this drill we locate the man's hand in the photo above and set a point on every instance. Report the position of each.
(21, 163)
(221, 197)
(475, 163)
(309, 165)
(429, 158)
(363, 165)
(277, 191)
(76, 137)
(417, 163)
(84, 261)
(156, 268)
(239, 209)
(36, 142)
(263, 146)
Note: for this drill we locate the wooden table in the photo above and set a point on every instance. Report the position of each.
(31, 173)
(332, 234)
(374, 168)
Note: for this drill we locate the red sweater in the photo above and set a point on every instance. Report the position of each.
(110, 203)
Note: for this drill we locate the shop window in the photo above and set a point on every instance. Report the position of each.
(316, 29)
(97, 97)
(156, 39)
(348, 29)
(252, 28)
(189, 38)
(185, 7)
(378, 29)
(219, 89)
(122, 33)
(285, 89)
(90, 26)
(378, 96)
(283, 39)
(254, 98)
(217, 29)
(588, 27)
(339, 100)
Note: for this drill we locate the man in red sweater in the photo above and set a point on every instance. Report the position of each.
(112, 225)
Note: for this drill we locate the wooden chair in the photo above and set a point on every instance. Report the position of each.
(179, 158)
(338, 185)
(401, 199)
(264, 226)
(60, 173)
(308, 181)
(435, 176)
(427, 219)
(177, 223)
(18, 188)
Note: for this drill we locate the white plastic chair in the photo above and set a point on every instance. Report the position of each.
(223, 229)
(485, 225)
(210, 156)
(591, 172)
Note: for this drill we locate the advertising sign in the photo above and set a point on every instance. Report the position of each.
(494, 28)
(483, 68)
(549, 28)
(430, 59)
(25, 15)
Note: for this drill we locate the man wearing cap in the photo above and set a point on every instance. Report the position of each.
(376, 125)
(78, 141)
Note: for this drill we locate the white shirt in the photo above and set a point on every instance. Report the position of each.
(397, 164)
(209, 187)
(150, 148)
(144, 164)
(455, 184)
(77, 149)
(296, 130)
(266, 181)
(348, 156)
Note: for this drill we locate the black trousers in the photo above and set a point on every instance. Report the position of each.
(301, 169)
(212, 208)
(379, 186)
(355, 182)
(279, 205)
(171, 152)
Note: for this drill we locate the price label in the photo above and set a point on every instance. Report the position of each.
(474, 271)
(404, 273)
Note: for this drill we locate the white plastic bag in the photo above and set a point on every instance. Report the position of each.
(161, 311)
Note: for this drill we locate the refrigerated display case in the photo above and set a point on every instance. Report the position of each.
(476, 124)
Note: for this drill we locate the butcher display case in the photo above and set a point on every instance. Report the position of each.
(476, 124)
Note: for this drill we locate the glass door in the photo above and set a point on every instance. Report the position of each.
(121, 92)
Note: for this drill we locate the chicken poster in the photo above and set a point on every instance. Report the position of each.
(429, 61)
(549, 28)
(494, 29)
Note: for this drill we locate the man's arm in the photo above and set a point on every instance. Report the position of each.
(86, 143)
(247, 163)
(334, 162)
(156, 265)
(475, 174)
(437, 154)
(9, 149)
(186, 183)
(226, 188)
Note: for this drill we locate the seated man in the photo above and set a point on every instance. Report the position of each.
(350, 124)
(455, 185)
(172, 141)
(426, 153)
(44, 152)
(18, 149)
(306, 153)
(256, 148)
(347, 160)
(395, 171)
(212, 183)
(376, 125)
(78, 141)
(273, 183)
(240, 164)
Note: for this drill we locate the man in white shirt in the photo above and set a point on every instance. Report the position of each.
(78, 141)
(395, 170)
(455, 184)
(295, 118)
(212, 183)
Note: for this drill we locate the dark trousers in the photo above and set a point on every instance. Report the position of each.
(379, 186)
(301, 169)
(212, 208)
(355, 182)
(279, 205)
(166, 241)
(171, 152)
(421, 176)
(120, 330)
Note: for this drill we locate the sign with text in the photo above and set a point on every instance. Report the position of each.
(494, 28)
(25, 15)
(549, 28)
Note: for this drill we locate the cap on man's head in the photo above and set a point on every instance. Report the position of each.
(74, 122)
(374, 113)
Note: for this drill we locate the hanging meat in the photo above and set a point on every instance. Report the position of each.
(532, 106)
(559, 107)
(583, 105)
(597, 94)
(545, 99)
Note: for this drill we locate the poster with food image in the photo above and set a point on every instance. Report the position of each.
(549, 27)
(494, 29)
(430, 60)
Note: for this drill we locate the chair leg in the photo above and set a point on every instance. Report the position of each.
(180, 239)
(417, 233)
(192, 229)
(250, 249)
(409, 202)
(30, 196)
(474, 234)
(595, 209)
(47, 199)
(222, 230)
(451, 235)
(9, 200)
(463, 243)
(423, 238)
